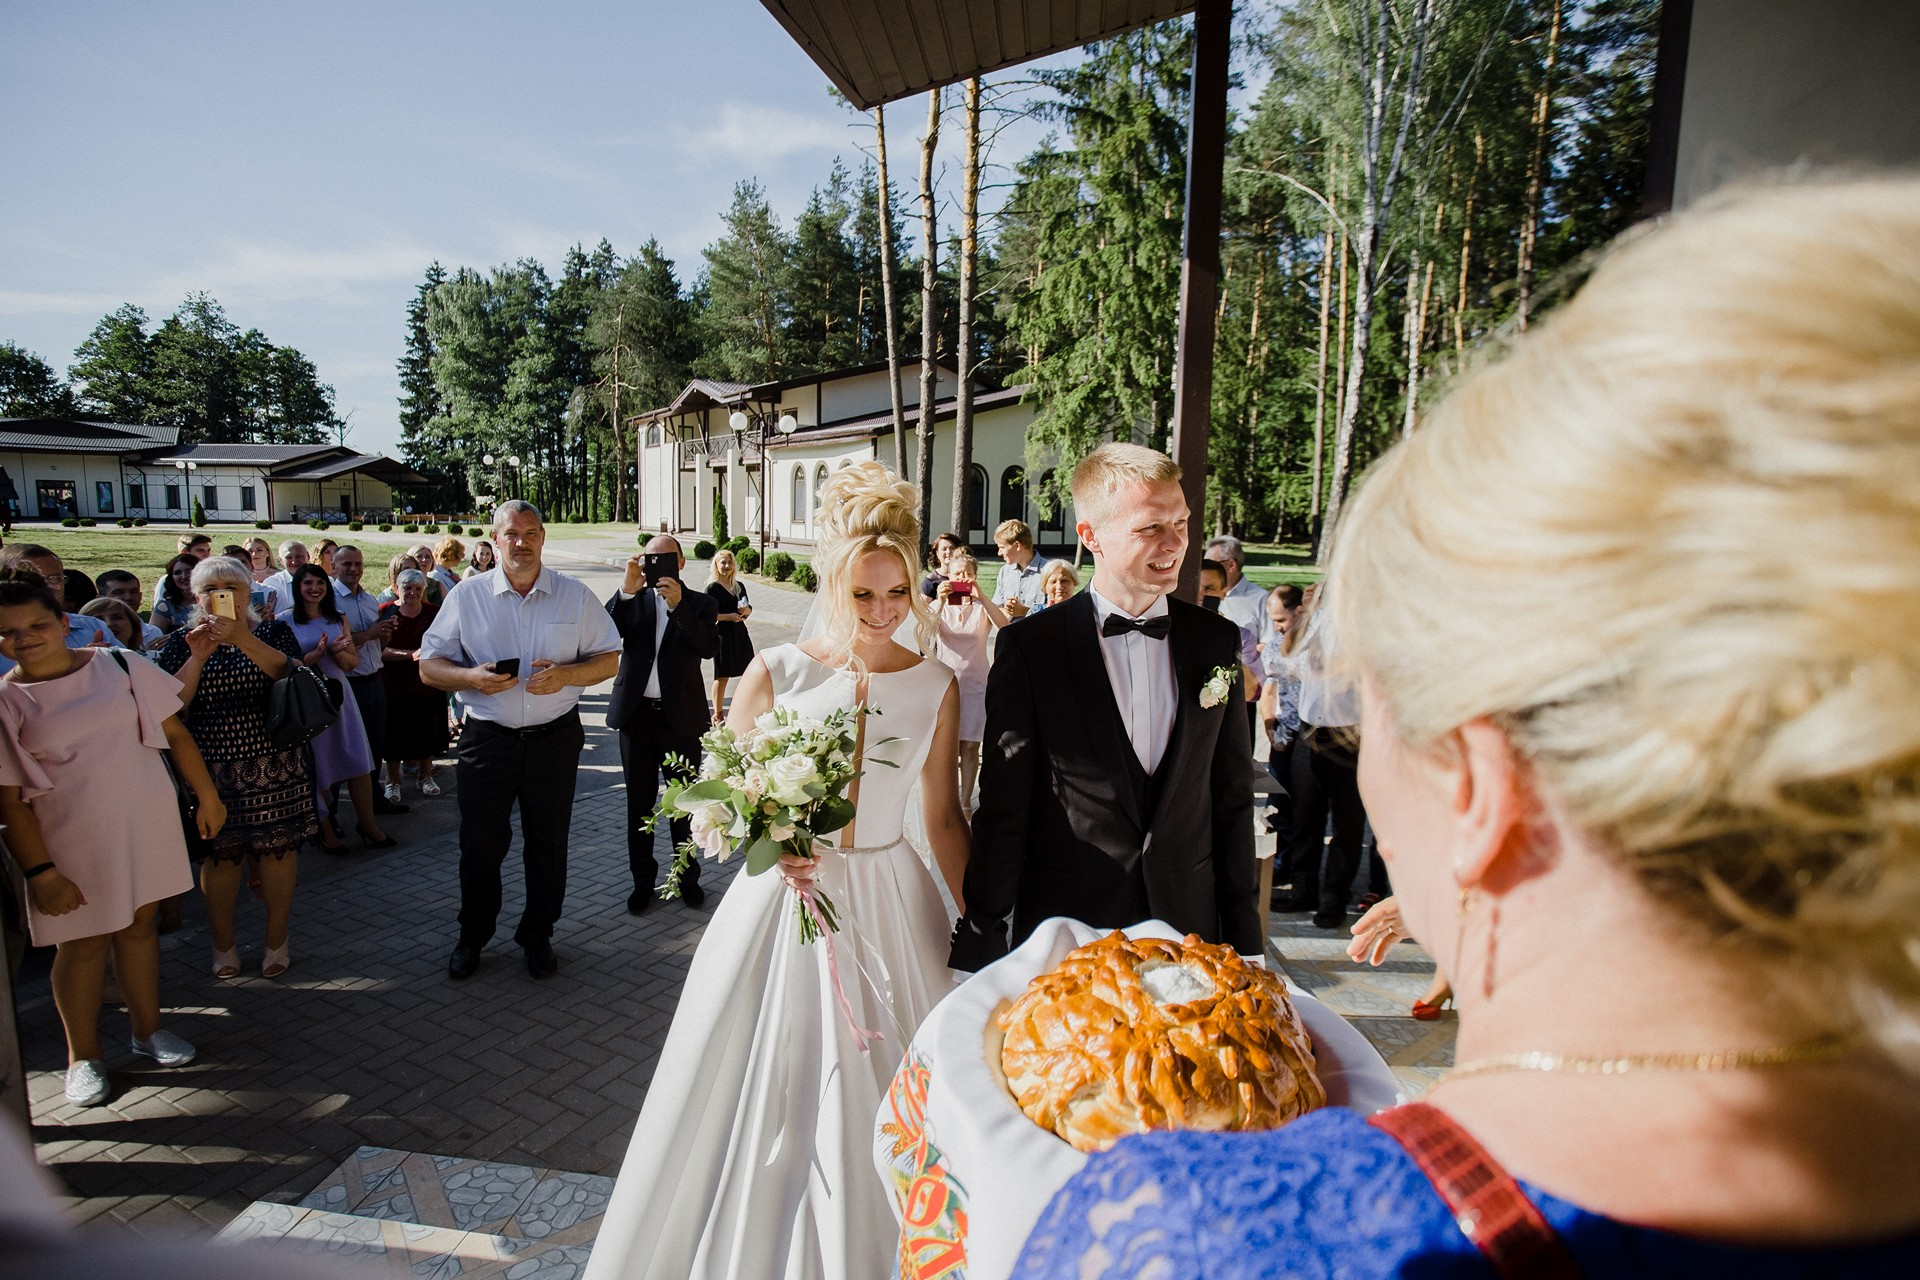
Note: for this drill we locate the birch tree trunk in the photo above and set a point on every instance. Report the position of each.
(1320, 377)
(889, 309)
(1536, 169)
(929, 328)
(1381, 171)
(963, 348)
(1466, 247)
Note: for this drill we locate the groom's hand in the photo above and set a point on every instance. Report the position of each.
(975, 946)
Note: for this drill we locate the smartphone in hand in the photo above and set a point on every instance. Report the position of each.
(505, 667)
(660, 564)
(222, 602)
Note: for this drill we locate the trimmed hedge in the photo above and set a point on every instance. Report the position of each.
(429, 528)
(739, 544)
(71, 522)
(386, 528)
(139, 522)
(87, 522)
(805, 578)
(319, 524)
(355, 525)
(475, 531)
(263, 524)
(780, 564)
(124, 523)
(749, 560)
(702, 550)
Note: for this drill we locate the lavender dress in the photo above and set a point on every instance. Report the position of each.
(342, 751)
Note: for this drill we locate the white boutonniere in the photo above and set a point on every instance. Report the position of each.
(1218, 686)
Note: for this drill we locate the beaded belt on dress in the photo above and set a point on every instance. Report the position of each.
(857, 848)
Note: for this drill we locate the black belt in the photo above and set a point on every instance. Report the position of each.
(528, 731)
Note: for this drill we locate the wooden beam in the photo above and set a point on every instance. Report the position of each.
(1200, 270)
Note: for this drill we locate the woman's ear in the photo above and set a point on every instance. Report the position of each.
(1489, 802)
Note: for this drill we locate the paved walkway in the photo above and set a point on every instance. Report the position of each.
(365, 1043)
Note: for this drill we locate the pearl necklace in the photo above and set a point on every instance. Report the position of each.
(1720, 1060)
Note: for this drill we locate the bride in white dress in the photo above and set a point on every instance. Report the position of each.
(752, 1158)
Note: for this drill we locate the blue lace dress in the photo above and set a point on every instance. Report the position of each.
(1332, 1196)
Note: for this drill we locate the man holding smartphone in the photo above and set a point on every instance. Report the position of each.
(517, 643)
(659, 702)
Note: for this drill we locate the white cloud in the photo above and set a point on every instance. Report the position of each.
(28, 302)
(267, 271)
(752, 133)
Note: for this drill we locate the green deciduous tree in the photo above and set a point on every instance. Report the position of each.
(30, 388)
(112, 368)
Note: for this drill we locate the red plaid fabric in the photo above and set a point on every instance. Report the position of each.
(1487, 1203)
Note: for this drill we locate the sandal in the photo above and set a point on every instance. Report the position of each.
(226, 964)
(274, 962)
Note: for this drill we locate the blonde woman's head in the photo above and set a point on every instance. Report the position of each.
(725, 567)
(866, 526)
(450, 552)
(1670, 546)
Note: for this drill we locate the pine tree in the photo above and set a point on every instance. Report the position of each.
(823, 285)
(421, 404)
(744, 321)
(643, 340)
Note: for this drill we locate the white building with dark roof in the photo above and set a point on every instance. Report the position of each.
(691, 449)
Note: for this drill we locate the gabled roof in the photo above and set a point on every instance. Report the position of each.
(701, 393)
(71, 435)
(376, 465)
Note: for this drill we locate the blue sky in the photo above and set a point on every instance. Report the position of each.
(304, 163)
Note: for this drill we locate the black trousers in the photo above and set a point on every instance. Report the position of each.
(645, 744)
(497, 768)
(370, 693)
(1324, 783)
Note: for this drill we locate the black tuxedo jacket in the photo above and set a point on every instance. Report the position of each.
(1070, 825)
(689, 638)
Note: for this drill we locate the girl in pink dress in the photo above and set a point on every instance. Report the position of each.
(967, 618)
(90, 817)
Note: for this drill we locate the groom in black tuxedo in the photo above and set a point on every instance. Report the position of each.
(1108, 792)
(659, 702)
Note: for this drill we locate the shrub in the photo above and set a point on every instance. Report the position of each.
(780, 565)
(475, 531)
(87, 522)
(71, 522)
(719, 519)
(385, 527)
(749, 560)
(124, 523)
(430, 528)
(139, 522)
(737, 545)
(702, 550)
(356, 525)
(198, 519)
(805, 578)
(263, 524)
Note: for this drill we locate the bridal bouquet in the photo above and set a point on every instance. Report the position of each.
(774, 790)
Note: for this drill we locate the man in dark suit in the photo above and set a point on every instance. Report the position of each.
(1117, 782)
(659, 703)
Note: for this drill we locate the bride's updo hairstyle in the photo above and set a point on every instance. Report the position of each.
(866, 508)
(1670, 543)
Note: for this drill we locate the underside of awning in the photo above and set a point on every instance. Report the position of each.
(875, 51)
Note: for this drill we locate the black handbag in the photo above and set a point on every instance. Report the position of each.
(301, 705)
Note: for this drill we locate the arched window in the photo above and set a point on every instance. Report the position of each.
(1013, 494)
(1054, 521)
(797, 495)
(653, 434)
(976, 504)
(819, 483)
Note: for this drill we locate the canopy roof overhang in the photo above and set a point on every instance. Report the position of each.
(875, 51)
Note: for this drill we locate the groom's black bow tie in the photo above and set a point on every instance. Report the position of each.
(1151, 628)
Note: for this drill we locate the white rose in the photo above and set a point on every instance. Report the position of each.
(790, 776)
(710, 825)
(711, 768)
(756, 783)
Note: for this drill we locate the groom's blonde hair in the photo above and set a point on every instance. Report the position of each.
(1111, 467)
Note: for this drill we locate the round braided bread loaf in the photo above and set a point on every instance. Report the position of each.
(1129, 1035)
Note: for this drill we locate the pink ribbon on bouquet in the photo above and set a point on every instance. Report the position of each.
(860, 1034)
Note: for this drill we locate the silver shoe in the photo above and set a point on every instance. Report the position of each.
(166, 1049)
(87, 1084)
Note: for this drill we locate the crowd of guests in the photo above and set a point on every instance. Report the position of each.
(93, 680)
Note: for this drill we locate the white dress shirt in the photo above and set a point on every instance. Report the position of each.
(361, 609)
(1141, 670)
(1246, 603)
(660, 612)
(281, 584)
(487, 620)
(1021, 584)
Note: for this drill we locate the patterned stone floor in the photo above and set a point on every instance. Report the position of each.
(1374, 1000)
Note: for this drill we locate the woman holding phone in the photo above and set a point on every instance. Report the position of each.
(228, 657)
(341, 754)
(967, 617)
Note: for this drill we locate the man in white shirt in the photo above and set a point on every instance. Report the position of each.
(293, 554)
(1116, 776)
(1246, 600)
(523, 737)
(1017, 588)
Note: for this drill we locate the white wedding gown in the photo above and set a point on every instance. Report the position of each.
(752, 1158)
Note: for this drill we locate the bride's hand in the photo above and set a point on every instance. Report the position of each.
(796, 871)
(1376, 932)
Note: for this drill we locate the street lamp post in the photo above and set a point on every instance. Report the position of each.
(183, 466)
(786, 424)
